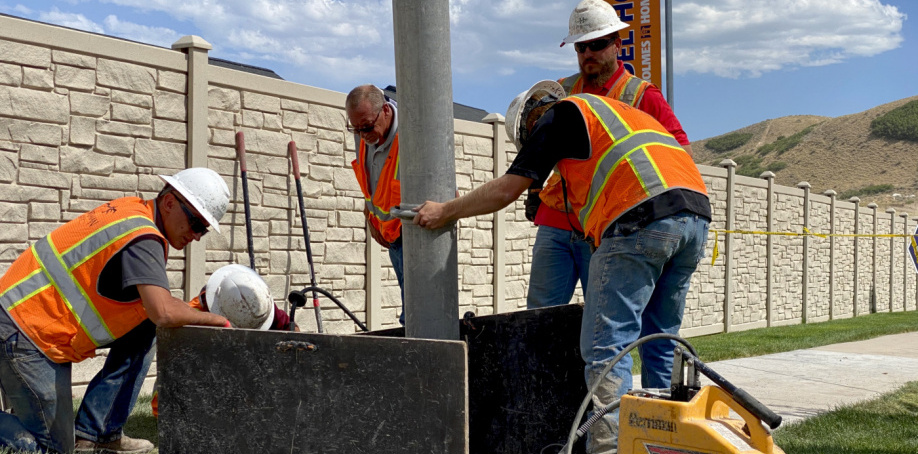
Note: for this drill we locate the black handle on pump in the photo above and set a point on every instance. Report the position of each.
(742, 397)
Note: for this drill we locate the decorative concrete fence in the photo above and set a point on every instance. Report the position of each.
(86, 118)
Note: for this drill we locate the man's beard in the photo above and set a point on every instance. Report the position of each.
(600, 78)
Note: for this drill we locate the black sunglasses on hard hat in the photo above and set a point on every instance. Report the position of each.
(595, 45)
(197, 225)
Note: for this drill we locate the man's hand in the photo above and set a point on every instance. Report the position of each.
(169, 312)
(431, 215)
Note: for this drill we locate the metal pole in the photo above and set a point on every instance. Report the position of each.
(427, 164)
(669, 53)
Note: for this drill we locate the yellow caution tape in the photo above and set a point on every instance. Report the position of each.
(806, 232)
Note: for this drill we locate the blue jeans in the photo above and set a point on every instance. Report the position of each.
(559, 258)
(638, 282)
(40, 391)
(112, 393)
(398, 263)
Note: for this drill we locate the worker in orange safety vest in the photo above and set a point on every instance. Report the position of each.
(374, 121)
(560, 258)
(97, 281)
(642, 203)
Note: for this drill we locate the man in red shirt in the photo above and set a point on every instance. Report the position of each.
(559, 256)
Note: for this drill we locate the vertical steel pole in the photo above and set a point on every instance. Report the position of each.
(427, 164)
(669, 53)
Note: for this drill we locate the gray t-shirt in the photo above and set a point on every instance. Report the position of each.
(141, 262)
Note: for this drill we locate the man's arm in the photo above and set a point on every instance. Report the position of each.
(488, 198)
(169, 312)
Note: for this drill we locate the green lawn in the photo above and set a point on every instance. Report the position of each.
(888, 425)
(764, 341)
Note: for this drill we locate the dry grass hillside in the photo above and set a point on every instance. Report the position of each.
(836, 153)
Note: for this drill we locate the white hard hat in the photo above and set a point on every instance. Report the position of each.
(238, 293)
(205, 190)
(542, 92)
(592, 19)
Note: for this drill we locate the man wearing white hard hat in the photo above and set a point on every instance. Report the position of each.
(643, 205)
(559, 256)
(98, 281)
(238, 293)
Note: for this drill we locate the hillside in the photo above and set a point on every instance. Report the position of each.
(830, 153)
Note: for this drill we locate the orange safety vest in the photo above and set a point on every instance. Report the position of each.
(51, 291)
(628, 89)
(632, 159)
(388, 191)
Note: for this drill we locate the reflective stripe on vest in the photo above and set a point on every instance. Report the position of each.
(628, 145)
(379, 212)
(56, 270)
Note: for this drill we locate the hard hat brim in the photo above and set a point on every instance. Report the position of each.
(192, 199)
(570, 39)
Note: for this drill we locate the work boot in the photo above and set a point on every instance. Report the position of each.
(123, 445)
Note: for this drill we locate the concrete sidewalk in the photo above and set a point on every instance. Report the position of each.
(803, 383)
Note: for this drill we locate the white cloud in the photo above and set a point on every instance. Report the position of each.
(338, 43)
(159, 36)
(734, 38)
(77, 21)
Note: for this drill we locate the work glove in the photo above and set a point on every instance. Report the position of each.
(532, 204)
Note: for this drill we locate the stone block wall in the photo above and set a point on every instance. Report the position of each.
(85, 119)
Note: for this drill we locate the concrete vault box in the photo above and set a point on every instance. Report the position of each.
(511, 385)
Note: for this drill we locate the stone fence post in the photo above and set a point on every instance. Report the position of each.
(730, 165)
(873, 260)
(892, 254)
(905, 260)
(831, 195)
(806, 249)
(857, 264)
(499, 229)
(196, 152)
(769, 247)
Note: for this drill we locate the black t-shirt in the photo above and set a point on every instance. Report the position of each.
(561, 133)
(142, 261)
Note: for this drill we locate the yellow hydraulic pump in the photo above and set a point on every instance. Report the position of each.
(702, 425)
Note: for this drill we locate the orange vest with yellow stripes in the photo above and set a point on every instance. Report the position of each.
(628, 89)
(632, 159)
(388, 191)
(51, 291)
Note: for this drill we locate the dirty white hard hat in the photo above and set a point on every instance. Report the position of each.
(238, 293)
(205, 190)
(592, 19)
(542, 92)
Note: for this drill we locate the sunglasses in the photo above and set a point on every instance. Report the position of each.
(595, 45)
(365, 129)
(197, 226)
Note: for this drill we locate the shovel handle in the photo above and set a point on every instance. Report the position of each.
(240, 150)
(294, 159)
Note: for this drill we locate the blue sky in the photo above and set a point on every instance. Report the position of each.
(737, 62)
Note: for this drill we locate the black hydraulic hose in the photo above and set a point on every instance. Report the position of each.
(742, 397)
(240, 153)
(572, 436)
(295, 160)
(298, 298)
